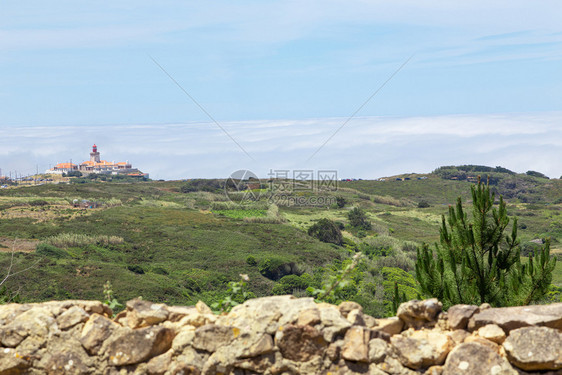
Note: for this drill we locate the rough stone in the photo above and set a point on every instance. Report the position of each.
(202, 308)
(493, 333)
(309, 317)
(142, 313)
(333, 323)
(71, 317)
(458, 315)
(347, 306)
(482, 341)
(134, 346)
(392, 326)
(473, 358)
(356, 318)
(418, 314)
(12, 362)
(458, 335)
(378, 350)
(422, 349)
(96, 330)
(356, 344)
(183, 338)
(160, 364)
(267, 314)
(509, 318)
(534, 348)
(300, 343)
(210, 337)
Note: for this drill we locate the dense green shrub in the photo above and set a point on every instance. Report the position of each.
(275, 268)
(211, 185)
(288, 284)
(251, 261)
(423, 204)
(340, 202)
(50, 251)
(358, 219)
(136, 269)
(326, 230)
(537, 174)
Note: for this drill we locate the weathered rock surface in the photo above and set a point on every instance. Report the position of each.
(278, 335)
(422, 349)
(509, 318)
(459, 315)
(418, 314)
(535, 348)
(473, 358)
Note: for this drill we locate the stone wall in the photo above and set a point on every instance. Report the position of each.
(278, 335)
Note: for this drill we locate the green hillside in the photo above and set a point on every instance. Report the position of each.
(178, 241)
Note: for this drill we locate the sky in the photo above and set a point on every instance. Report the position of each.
(186, 89)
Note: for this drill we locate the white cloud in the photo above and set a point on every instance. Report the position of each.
(368, 147)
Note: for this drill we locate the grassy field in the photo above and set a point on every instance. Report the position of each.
(151, 240)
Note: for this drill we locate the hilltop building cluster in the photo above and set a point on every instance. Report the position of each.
(96, 165)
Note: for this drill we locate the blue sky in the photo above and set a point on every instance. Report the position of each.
(281, 76)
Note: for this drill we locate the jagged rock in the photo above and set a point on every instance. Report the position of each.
(96, 330)
(258, 364)
(393, 366)
(176, 313)
(458, 315)
(202, 308)
(300, 343)
(160, 364)
(473, 358)
(356, 344)
(267, 314)
(370, 321)
(133, 346)
(418, 314)
(347, 306)
(482, 341)
(356, 318)
(422, 349)
(458, 335)
(12, 362)
(333, 323)
(183, 338)
(66, 363)
(493, 333)
(210, 337)
(71, 317)
(434, 370)
(378, 350)
(534, 348)
(392, 326)
(509, 318)
(142, 313)
(309, 317)
(189, 361)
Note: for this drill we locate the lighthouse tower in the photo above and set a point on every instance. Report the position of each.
(95, 155)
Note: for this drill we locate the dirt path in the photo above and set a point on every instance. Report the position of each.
(22, 246)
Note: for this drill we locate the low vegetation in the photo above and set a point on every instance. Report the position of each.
(182, 241)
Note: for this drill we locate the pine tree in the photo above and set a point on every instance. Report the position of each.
(475, 262)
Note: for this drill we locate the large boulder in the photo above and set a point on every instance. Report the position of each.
(534, 348)
(509, 318)
(418, 314)
(134, 346)
(421, 349)
(472, 358)
(458, 315)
